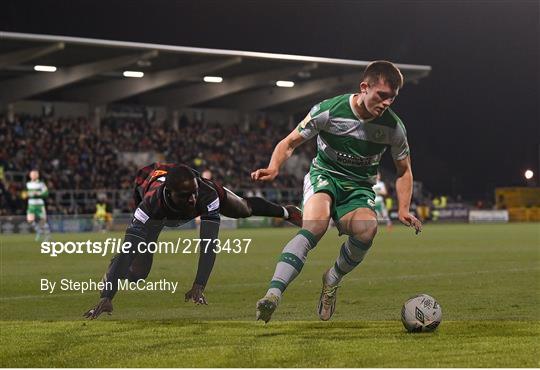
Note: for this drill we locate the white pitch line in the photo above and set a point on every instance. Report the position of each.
(40, 296)
(442, 274)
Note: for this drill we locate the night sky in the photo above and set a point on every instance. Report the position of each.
(473, 124)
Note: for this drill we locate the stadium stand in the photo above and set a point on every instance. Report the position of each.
(73, 155)
(80, 158)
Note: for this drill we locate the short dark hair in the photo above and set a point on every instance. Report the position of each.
(177, 175)
(385, 71)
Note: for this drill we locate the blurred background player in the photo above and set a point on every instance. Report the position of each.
(380, 201)
(36, 214)
(102, 216)
(172, 195)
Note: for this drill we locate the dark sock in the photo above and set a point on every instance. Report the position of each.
(262, 207)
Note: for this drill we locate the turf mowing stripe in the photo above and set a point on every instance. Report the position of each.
(385, 277)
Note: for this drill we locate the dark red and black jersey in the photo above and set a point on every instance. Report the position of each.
(154, 210)
(146, 181)
(153, 204)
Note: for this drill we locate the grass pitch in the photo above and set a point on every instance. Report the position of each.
(485, 277)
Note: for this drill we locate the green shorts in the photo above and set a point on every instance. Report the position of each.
(346, 195)
(37, 210)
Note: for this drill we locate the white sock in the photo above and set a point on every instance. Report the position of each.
(291, 261)
(351, 255)
(333, 277)
(274, 291)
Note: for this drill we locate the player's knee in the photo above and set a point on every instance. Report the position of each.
(117, 261)
(236, 208)
(238, 213)
(365, 231)
(316, 221)
(139, 268)
(316, 227)
(134, 276)
(245, 209)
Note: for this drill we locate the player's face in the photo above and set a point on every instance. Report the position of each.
(377, 96)
(34, 175)
(185, 194)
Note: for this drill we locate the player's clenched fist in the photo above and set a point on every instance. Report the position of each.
(264, 174)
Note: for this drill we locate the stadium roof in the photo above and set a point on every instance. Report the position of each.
(91, 71)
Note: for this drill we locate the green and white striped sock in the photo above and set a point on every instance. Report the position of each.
(291, 261)
(351, 254)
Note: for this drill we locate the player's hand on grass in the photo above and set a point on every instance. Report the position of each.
(196, 295)
(264, 174)
(408, 219)
(104, 305)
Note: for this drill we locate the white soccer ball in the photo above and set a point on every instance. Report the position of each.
(421, 313)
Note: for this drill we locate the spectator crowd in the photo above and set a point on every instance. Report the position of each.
(73, 154)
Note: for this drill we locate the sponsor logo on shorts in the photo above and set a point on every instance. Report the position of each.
(321, 181)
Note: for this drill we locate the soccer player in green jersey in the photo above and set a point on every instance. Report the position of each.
(353, 131)
(380, 207)
(37, 192)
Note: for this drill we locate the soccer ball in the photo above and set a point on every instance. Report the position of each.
(421, 313)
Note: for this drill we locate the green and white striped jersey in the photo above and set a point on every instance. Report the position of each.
(348, 146)
(37, 190)
(379, 188)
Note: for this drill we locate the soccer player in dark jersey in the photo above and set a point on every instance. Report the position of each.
(172, 195)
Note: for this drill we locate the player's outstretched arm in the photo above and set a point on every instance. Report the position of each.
(209, 231)
(283, 150)
(404, 186)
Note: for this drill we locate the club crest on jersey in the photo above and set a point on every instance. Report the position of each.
(379, 135)
(158, 173)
